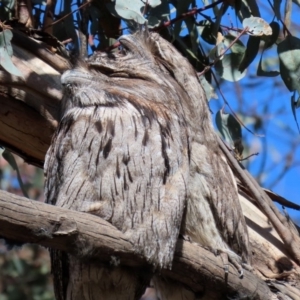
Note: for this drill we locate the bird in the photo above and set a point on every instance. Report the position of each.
(213, 216)
(136, 147)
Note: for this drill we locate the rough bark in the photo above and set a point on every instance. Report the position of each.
(29, 108)
(83, 235)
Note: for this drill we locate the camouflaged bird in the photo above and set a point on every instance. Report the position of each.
(136, 147)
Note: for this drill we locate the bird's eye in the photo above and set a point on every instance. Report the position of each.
(66, 85)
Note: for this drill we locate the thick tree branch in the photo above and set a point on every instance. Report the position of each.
(90, 237)
(40, 50)
(288, 234)
(29, 107)
(24, 130)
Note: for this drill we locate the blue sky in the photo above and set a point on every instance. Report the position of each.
(251, 96)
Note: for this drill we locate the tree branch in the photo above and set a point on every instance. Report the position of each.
(90, 237)
(288, 234)
(24, 130)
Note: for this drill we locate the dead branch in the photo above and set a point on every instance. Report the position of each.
(288, 234)
(77, 233)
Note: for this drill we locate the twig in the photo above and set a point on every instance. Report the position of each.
(221, 55)
(283, 24)
(190, 13)
(231, 110)
(68, 14)
(183, 16)
(247, 157)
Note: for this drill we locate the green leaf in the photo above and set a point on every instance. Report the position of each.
(94, 14)
(294, 106)
(159, 14)
(205, 28)
(192, 54)
(270, 40)
(12, 162)
(257, 26)
(276, 5)
(181, 7)
(229, 127)
(297, 2)
(228, 67)
(193, 34)
(250, 53)
(128, 10)
(131, 9)
(252, 7)
(6, 9)
(40, 2)
(6, 52)
(153, 3)
(238, 47)
(217, 52)
(5, 38)
(208, 88)
(247, 9)
(183, 43)
(289, 62)
(262, 72)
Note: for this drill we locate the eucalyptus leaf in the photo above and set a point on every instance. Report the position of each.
(228, 67)
(6, 9)
(262, 72)
(132, 9)
(153, 21)
(40, 2)
(297, 2)
(294, 106)
(276, 5)
(229, 127)
(5, 38)
(128, 10)
(153, 3)
(94, 14)
(237, 47)
(181, 7)
(208, 89)
(159, 14)
(6, 52)
(217, 52)
(270, 40)
(205, 31)
(192, 54)
(67, 29)
(289, 62)
(247, 9)
(257, 26)
(250, 53)
(253, 7)
(185, 49)
(7, 64)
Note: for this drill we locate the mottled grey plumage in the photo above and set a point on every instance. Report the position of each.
(136, 147)
(214, 217)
